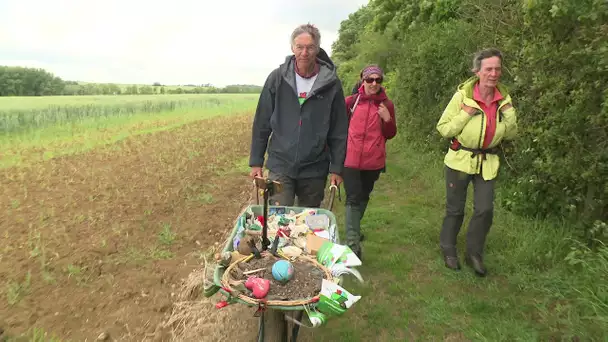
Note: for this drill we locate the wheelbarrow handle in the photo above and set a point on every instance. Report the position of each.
(332, 196)
(257, 192)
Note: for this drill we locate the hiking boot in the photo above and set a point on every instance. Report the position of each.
(451, 262)
(476, 262)
(450, 257)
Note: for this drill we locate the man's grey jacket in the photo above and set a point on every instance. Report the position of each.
(308, 140)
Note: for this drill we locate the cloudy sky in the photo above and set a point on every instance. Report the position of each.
(172, 42)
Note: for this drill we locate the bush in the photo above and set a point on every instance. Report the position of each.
(556, 66)
(561, 86)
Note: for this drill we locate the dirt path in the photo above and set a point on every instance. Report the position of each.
(100, 242)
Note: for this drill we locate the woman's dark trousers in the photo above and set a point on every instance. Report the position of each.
(358, 185)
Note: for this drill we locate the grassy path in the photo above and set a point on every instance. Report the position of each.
(530, 294)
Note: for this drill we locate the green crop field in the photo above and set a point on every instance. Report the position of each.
(66, 124)
(9, 103)
(24, 113)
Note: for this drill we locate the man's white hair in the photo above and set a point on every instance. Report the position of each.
(311, 30)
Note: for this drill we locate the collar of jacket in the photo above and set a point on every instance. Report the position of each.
(315, 70)
(326, 77)
(466, 89)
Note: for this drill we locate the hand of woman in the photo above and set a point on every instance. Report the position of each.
(470, 110)
(385, 115)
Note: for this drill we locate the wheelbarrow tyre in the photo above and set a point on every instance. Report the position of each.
(275, 327)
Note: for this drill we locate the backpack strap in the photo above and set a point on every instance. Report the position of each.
(351, 111)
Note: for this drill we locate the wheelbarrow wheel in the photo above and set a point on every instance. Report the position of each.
(273, 327)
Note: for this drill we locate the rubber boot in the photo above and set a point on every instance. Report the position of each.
(353, 228)
(363, 206)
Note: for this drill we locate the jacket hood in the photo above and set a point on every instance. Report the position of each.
(327, 73)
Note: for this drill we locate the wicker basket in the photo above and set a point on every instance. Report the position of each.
(254, 301)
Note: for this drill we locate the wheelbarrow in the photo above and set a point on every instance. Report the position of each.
(276, 322)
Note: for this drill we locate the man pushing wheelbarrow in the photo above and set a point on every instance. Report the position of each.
(282, 257)
(302, 111)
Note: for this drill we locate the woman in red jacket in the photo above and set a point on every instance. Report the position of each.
(372, 123)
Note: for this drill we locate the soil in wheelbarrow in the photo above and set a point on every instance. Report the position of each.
(305, 284)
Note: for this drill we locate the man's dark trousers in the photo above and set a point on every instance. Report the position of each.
(309, 191)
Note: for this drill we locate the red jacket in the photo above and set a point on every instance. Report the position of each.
(367, 132)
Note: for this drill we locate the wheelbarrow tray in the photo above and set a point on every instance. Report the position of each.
(258, 210)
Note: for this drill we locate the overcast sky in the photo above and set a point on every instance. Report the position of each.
(172, 42)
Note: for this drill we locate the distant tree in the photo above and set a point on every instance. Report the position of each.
(146, 90)
(115, 89)
(20, 81)
(131, 90)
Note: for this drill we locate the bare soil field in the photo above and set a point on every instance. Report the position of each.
(104, 242)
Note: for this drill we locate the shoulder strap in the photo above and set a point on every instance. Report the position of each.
(351, 111)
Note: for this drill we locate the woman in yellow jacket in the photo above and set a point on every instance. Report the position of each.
(478, 117)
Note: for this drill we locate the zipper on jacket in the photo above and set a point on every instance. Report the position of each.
(364, 132)
(295, 161)
(479, 143)
(309, 96)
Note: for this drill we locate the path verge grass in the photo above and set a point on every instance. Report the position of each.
(541, 285)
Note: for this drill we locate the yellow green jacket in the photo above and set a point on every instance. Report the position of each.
(470, 130)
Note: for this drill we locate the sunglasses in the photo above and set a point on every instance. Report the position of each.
(371, 80)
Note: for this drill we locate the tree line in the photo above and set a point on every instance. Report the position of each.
(22, 81)
(556, 67)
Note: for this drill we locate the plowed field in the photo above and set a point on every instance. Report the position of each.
(101, 242)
